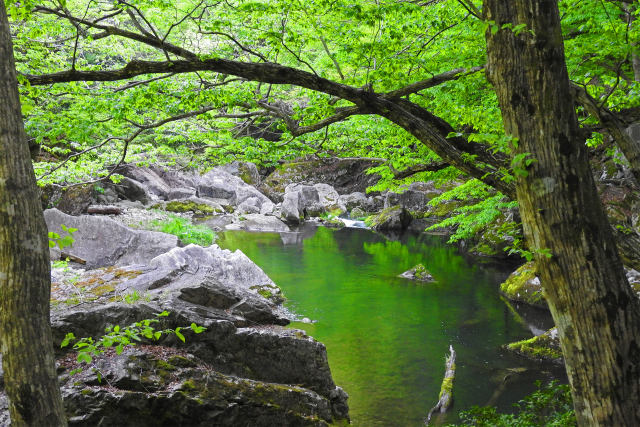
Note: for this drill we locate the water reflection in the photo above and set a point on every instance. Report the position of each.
(387, 336)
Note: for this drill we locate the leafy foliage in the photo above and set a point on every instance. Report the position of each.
(62, 242)
(550, 405)
(185, 230)
(119, 338)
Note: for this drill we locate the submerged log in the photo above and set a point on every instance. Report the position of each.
(446, 389)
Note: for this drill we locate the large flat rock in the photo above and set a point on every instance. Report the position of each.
(101, 241)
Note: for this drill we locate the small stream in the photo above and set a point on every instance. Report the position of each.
(386, 336)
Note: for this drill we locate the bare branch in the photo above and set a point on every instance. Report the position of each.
(143, 82)
(78, 154)
(149, 40)
(410, 171)
(434, 81)
(236, 42)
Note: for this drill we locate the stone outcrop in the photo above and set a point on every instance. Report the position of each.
(304, 201)
(152, 386)
(244, 368)
(246, 171)
(101, 241)
(345, 175)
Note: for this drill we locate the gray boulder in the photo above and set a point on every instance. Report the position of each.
(246, 171)
(132, 190)
(415, 198)
(149, 179)
(173, 388)
(242, 353)
(360, 201)
(249, 206)
(329, 199)
(304, 201)
(181, 193)
(258, 222)
(345, 175)
(219, 184)
(395, 218)
(290, 210)
(101, 241)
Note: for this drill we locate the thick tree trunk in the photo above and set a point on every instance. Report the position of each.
(597, 315)
(25, 334)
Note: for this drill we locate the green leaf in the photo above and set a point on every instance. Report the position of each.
(84, 357)
(67, 339)
(179, 335)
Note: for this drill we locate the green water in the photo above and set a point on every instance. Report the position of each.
(386, 337)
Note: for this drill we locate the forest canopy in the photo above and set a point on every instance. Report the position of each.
(429, 53)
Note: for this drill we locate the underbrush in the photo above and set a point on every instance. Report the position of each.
(550, 405)
(185, 230)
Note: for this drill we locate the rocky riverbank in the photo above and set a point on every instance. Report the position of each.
(246, 367)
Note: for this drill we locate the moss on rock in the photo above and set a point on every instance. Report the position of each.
(523, 285)
(182, 206)
(392, 218)
(545, 347)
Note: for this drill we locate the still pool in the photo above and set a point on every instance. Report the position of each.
(387, 337)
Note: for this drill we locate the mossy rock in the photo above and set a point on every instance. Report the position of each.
(523, 285)
(543, 348)
(270, 292)
(444, 209)
(419, 273)
(186, 206)
(392, 218)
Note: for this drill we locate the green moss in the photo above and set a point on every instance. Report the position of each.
(188, 385)
(181, 361)
(265, 293)
(445, 209)
(522, 286)
(447, 384)
(104, 289)
(270, 292)
(186, 206)
(383, 217)
(161, 364)
(245, 174)
(421, 272)
(542, 347)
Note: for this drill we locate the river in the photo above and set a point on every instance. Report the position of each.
(387, 337)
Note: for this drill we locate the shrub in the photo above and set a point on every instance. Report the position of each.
(185, 230)
(550, 405)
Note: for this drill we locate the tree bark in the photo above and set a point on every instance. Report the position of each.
(597, 314)
(30, 376)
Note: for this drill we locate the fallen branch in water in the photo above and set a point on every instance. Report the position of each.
(446, 390)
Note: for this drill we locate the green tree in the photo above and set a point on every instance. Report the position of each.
(30, 378)
(594, 308)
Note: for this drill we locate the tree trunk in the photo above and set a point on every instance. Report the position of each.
(25, 334)
(597, 314)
